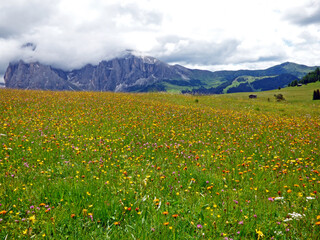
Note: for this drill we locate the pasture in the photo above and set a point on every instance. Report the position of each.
(92, 165)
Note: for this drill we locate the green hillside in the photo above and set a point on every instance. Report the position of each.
(246, 80)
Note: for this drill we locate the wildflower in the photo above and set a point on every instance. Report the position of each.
(84, 211)
(310, 198)
(240, 223)
(73, 215)
(116, 223)
(235, 201)
(318, 223)
(287, 219)
(255, 216)
(260, 234)
(175, 215)
(271, 199)
(32, 219)
(199, 226)
(165, 213)
(3, 212)
(296, 216)
(278, 198)
(166, 223)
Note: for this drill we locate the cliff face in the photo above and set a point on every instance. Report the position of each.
(119, 74)
(132, 73)
(35, 76)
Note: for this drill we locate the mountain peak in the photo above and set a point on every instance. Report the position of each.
(137, 72)
(139, 55)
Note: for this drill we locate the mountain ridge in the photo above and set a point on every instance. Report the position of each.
(131, 73)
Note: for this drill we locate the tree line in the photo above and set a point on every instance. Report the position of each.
(311, 77)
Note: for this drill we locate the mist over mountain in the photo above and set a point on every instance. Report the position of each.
(132, 73)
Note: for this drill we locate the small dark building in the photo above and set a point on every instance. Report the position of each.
(252, 96)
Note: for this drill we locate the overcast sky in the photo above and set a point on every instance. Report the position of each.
(205, 34)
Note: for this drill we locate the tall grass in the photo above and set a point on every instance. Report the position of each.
(85, 165)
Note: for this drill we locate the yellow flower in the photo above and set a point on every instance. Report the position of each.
(32, 218)
(84, 211)
(260, 234)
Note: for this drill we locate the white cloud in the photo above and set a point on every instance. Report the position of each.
(208, 34)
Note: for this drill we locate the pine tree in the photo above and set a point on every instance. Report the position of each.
(316, 94)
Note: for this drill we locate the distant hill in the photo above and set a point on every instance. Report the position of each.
(131, 73)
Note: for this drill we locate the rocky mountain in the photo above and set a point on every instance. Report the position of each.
(131, 73)
(125, 74)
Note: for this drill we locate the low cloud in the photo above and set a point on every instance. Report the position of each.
(68, 36)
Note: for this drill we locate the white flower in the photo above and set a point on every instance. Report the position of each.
(296, 216)
(278, 233)
(278, 198)
(310, 198)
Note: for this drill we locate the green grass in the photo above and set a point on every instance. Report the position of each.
(243, 79)
(90, 165)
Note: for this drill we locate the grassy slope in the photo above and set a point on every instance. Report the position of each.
(158, 165)
(247, 79)
(298, 100)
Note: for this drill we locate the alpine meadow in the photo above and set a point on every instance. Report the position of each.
(101, 165)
